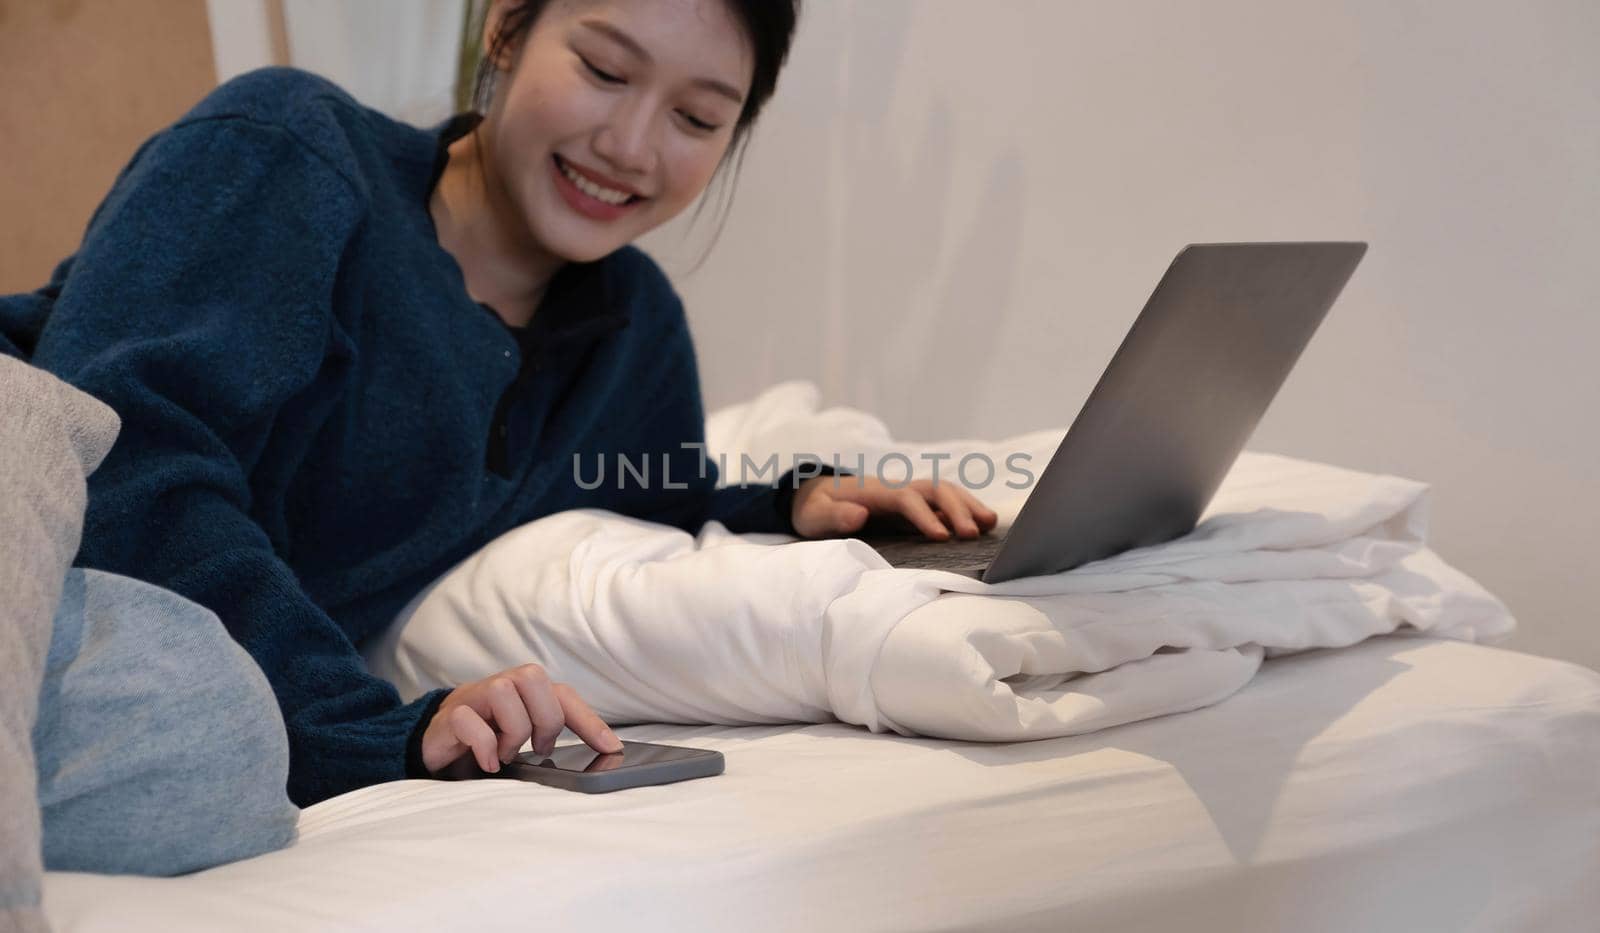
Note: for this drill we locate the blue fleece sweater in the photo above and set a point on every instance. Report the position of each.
(318, 420)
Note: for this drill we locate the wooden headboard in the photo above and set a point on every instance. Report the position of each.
(82, 84)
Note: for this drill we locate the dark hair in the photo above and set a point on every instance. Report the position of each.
(769, 24)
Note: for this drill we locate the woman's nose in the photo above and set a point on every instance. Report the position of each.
(626, 140)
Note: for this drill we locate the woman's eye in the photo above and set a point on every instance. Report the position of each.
(607, 77)
(698, 123)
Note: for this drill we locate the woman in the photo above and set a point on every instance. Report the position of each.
(347, 353)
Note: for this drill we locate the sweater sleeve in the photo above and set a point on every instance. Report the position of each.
(688, 494)
(199, 304)
(682, 490)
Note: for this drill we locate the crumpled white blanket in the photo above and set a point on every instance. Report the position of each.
(651, 624)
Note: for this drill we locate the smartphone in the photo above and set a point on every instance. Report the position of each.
(579, 767)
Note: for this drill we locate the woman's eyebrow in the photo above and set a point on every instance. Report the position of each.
(626, 41)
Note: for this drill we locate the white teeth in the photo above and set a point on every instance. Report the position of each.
(593, 190)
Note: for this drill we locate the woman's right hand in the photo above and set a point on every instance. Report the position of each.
(492, 717)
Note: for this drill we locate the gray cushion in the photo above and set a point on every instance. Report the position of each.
(52, 436)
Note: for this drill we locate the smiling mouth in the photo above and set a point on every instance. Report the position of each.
(599, 192)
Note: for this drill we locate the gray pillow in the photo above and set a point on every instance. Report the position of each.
(52, 437)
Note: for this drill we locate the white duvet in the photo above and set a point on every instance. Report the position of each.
(651, 624)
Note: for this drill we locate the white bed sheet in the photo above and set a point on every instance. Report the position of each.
(1402, 784)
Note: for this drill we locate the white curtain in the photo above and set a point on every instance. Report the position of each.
(397, 56)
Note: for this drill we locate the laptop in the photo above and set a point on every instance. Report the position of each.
(1168, 417)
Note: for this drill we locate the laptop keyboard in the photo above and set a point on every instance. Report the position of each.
(920, 553)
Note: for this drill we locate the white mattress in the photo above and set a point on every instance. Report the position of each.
(1402, 784)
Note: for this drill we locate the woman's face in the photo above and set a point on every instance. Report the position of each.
(636, 98)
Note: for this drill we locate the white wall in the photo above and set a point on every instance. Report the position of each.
(398, 56)
(953, 210)
(241, 36)
(413, 76)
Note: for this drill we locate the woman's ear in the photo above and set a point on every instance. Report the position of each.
(505, 56)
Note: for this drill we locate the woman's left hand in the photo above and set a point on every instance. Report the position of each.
(824, 509)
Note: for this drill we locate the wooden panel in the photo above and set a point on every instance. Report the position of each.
(82, 84)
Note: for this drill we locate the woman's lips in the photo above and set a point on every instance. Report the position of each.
(586, 204)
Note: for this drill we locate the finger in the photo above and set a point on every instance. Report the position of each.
(956, 511)
(910, 503)
(584, 721)
(848, 517)
(986, 517)
(471, 731)
(822, 514)
(510, 715)
(542, 706)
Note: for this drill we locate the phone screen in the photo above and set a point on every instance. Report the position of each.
(582, 758)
